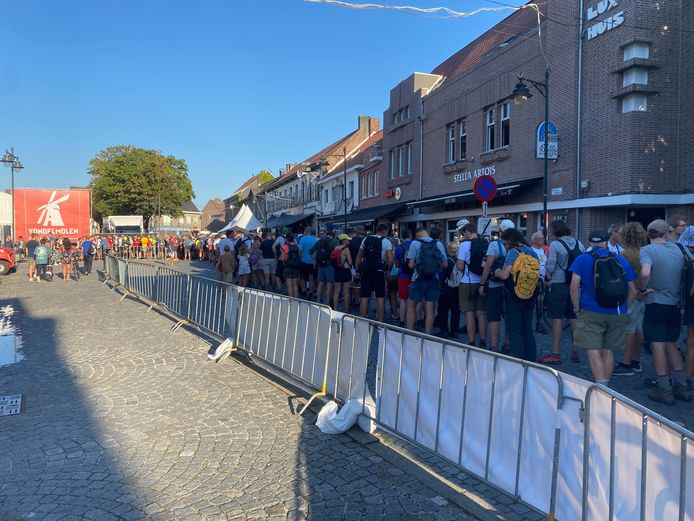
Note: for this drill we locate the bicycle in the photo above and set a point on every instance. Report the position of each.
(75, 265)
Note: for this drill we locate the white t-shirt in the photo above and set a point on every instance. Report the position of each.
(615, 248)
(464, 255)
(542, 256)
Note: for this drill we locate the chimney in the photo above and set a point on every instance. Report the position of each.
(369, 125)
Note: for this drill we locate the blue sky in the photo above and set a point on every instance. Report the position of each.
(231, 86)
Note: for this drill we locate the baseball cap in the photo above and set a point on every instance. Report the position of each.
(344, 237)
(506, 224)
(687, 237)
(659, 226)
(360, 229)
(461, 223)
(599, 236)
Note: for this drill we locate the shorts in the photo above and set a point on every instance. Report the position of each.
(245, 270)
(307, 270)
(661, 323)
(228, 277)
(291, 273)
(269, 266)
(495, 304)
(559, 302)
(404, 288)
(599, 331)
(689, 316)
(32, 260)
(635, 316)
(326, 274)
(373, 281)
(470, 299)
(425, 290)
(343, 275)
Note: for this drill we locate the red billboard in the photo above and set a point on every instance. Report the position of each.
(54, 213)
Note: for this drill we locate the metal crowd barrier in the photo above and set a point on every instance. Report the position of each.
(298, 339)
(637, 464)
(500, 419)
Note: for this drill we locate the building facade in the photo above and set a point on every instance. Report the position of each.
(619, 72)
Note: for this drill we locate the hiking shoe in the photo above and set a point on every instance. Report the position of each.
(622, 369)
(482, 344)
(650, 382)
(636, 366)
(658, 394)
(549, 359)
(681, 392)
(575, 358)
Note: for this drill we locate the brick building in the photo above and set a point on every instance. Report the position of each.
(620, 74)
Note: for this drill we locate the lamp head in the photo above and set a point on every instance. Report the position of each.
(521, 93)
(17, 165)
(7, 158)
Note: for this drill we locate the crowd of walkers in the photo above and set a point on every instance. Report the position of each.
(46, 254)
(627, 288)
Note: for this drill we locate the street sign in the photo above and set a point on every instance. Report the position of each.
(484, 188)
(484, 226)
(552, 141)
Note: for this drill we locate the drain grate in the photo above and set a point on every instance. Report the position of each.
(10, 404)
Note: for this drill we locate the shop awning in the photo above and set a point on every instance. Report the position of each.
(365, 215)
(286, 219)
(468, 195)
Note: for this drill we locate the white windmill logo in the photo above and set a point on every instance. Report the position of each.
(50, 212)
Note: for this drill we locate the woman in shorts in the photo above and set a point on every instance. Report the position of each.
(290, 270)
(244, 266)
(342, 259)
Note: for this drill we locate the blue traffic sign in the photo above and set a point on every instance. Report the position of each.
(485, 188)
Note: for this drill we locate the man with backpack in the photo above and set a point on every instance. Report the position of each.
(321, 251)
(562, 254)
(425, 258)
(664, 268)
(307, 282)
(521, 270)
(471, 257)
(602, 288)
(493, 288)
(404, 273)
(374, 260)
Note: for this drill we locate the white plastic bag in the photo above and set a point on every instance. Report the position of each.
(330, 421)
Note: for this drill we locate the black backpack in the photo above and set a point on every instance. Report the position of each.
(428, 260)
(687, 277)
(323, 251)
(574, 254)
(293, 257)
(404, 262)
(609, 280)
(478, 252)
(372, 259)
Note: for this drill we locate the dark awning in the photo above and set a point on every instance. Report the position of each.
(286, 219)
(365, 215)
(215, 226)
(468, 195)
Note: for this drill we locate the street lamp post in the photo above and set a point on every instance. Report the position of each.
(11, 160)
(324, 163)
(521, 94)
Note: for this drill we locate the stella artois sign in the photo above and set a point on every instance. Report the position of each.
(52, 212)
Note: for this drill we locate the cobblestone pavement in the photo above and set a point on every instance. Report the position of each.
(123, 419)
(630, 386)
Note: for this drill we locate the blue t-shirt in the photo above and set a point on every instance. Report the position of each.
(403, 272)
(583, 267)
(86, 245)
(306, 243)
(512, 254)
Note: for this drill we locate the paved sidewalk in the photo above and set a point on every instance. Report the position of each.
(123, 419)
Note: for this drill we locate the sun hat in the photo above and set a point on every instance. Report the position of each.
(462, 222)
(344, 237)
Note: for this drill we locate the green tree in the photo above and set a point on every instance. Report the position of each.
(264, 177)
(127, 180)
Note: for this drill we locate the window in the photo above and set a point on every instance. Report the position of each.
(491, 117)
(636, 50)
(506, 124)
(325, 197)
(450, 155)
(395, 118)
(462, 137)
(407, 112)
(350, 191)
(635, 103)
(375, 175)
(635, 76)
(394, 163)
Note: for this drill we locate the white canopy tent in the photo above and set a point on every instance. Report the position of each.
(244, 221)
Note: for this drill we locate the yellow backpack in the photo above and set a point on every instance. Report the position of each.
(525, 274)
